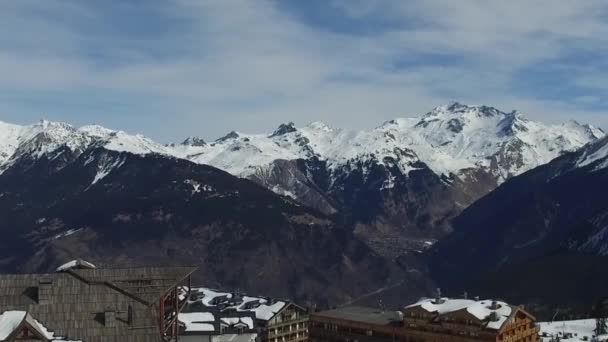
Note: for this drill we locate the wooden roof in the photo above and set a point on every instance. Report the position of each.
(77, 301)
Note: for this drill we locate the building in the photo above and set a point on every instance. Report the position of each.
(432, 320)
(273, 320)
(356, 323)
(444, 319)
(212, 325)
(82, 303)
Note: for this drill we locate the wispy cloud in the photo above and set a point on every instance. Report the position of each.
(193, 67)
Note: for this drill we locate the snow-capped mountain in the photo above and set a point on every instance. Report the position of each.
(365, 201)
(44, 137)
(407, 177)
(449, 139)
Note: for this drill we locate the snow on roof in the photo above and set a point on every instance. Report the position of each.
(198, 321)
(9, 321)
(41, 328)
(263, 308)
(481, 309)
(78, 263)
(229, 321)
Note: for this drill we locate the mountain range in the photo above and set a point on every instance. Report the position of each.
(337, 214)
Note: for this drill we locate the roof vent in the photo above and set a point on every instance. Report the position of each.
(109, 319)
(44, 291)
(494, 305)
(438, 299)
(494, 316)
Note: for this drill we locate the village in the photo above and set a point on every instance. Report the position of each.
(80, 302)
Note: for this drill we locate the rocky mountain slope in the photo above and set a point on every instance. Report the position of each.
(399, 184)
(120, 208)
(396, 186)
(335, 214)
(542, 235)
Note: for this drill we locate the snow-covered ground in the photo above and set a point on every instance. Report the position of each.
(569, 331)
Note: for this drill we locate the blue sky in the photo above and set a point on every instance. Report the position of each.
(170, 69)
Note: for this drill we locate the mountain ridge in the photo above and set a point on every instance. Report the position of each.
(397, 185)
(311, 140)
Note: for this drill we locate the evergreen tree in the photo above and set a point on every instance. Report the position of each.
(600, 314)
(601, 327)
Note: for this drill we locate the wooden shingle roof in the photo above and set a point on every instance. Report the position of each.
(93, 305)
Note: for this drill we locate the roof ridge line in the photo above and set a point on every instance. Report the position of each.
(110, 285)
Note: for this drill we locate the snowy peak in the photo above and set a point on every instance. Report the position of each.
(457, 117)
(450, 140)
(96, 131)
(584, 129)
(284, 129)
(230, 136)
(194, 141)
(460, 110)
(45, 137)
(319, 126)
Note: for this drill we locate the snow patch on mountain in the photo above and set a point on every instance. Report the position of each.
(135, 144)
(598, 242)
(9, 140)
(449, 140)
(595, 154)
(280, 191)
(106, 166)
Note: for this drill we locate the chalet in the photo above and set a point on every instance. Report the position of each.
(272, 320)
(432, 320)
(443, 319)
(82, 303)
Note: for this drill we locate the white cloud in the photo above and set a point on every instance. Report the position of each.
(248, 65)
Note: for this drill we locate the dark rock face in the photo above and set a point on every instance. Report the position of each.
(548, 217)
(392, 212)
(194, 141)
(284, 129)
(305, 180)
(231, 135)
(117, 208)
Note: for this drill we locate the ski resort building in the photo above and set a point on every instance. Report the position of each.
(240, 315)
(429, 320)
(82, 303)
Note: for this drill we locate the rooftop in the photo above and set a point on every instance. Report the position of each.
(363, 314)
(76, 301)
(263, 308)
(494, 313)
